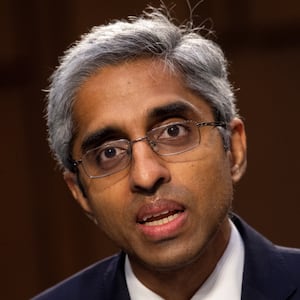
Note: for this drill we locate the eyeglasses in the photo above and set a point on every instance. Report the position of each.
(170, 139)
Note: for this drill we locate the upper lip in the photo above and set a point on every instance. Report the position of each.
(157, 208)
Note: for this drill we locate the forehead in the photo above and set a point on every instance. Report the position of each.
(125, 96)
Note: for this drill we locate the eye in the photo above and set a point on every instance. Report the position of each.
(174, 131)
(107, 156)
(107, 153)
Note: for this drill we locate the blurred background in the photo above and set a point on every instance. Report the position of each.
(44, 235)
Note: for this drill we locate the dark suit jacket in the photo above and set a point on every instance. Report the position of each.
(270, 273)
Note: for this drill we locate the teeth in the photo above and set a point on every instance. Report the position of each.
(162, 213)
(162, 221)
(156, 215)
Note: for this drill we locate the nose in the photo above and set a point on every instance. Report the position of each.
(148, 171)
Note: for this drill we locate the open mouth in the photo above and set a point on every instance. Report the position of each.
(161, 218)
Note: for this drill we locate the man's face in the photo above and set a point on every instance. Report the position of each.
(162, 212)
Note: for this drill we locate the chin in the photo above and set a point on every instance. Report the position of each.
(169, 257)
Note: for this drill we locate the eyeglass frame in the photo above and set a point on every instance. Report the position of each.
(76, 163)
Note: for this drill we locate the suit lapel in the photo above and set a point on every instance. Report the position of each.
(265, 274)
(114, 284)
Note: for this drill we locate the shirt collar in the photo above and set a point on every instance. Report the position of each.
(225, 282)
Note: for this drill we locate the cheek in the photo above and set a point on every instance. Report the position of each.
(208, 179)
(109, 205)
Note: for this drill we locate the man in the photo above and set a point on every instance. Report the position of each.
(142, 119)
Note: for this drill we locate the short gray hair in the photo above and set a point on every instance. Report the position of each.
(183, 49)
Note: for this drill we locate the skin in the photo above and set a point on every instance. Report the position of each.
(200, 182)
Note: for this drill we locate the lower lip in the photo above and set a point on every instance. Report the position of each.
(164, 231)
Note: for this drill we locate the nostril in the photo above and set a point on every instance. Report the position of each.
(149, 190)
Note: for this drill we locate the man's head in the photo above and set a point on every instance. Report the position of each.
(199, 61)
(142, 116)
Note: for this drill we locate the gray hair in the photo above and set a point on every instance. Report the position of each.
(199, 60)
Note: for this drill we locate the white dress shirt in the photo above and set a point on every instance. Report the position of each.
(224, 283)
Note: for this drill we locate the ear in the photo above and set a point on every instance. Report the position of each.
(238, 149)
(73, 185)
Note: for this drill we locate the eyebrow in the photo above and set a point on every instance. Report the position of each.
(97, 138)
(173, 109)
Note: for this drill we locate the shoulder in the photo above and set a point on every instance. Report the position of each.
(257, 244)
(269, 270)
(89, 283)
(291, 259)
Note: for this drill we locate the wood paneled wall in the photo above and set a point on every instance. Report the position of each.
(44, 235)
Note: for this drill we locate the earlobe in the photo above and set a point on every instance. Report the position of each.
(238, 149)
(73, 185)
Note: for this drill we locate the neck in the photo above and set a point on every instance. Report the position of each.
(182, 283)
